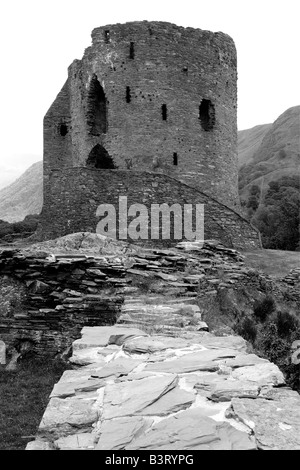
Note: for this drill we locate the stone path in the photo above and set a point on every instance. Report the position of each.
(135, 391)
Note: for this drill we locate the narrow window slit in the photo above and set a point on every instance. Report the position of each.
(96, 108)
(175, 159)
(164, 112)
(131, 50)
(207, 115)
(128, 95)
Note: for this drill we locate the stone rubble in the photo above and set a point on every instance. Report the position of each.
(87, 279)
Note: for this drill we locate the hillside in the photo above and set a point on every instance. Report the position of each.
(24, 196)
(249, 141)
(270, 151)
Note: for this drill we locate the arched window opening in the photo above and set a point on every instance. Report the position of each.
(131, 50)
(63, 129)
(175, 159)
(96, 108)
(207, 115)
(99, 158)
(164, 112)
(128, 95)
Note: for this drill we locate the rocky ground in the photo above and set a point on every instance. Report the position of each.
(157, 379)
(193, 392)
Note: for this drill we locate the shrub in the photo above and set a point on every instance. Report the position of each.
(247, 329)
(286, 323)
(263, 308)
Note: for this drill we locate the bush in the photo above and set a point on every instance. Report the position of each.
(263, 308)
(286, 323)
(247, 329)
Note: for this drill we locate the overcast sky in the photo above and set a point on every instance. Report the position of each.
(40, 38)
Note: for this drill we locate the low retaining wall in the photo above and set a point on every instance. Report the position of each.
(74, 194)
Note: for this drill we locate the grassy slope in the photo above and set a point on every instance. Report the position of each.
(276, 263)
(24, 396)
(249, 141)
(273, 150)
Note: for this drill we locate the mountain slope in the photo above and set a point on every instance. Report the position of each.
(24, 196)
(249, 141)
(270, 151)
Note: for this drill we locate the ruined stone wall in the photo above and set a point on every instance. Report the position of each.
(48, 302)
(154, 96)
(75, 194)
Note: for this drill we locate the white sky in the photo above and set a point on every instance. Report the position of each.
(40, 38)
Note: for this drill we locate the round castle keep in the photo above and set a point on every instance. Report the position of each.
(151, 96)
(148, 113)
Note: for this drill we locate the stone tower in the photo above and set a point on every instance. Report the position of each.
(149, 113)
(151, 96)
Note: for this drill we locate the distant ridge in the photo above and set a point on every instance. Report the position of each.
(24, 196)
(270, 151)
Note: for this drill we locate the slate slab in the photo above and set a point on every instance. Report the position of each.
(205, 360)
(129, 398)
(190, 430)
(116, 434)
(95, 336)
(262, 374)
(276, 423)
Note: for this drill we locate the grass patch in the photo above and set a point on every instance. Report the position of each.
(275, 263)
(24, 397)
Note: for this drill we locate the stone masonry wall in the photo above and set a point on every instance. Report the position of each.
(152, 78)
(56, 297)
(75, 194)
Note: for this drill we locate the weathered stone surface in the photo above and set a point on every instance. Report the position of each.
(166, 277)
(118, 433)
(211, 341)
(295, 348)
(99, 335)
(243, 360)
(80, 441)
(190, 430)
(39, 444)
(202, 326)
(120, 339)
(119, 366)
(2, 352)
(153, 344)
(262, 374)
(128, 398)
(87, 356)
(173, 401)
(68, 387)
(65, 415)
(200, 360)
(276, 423)
(229, 389)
